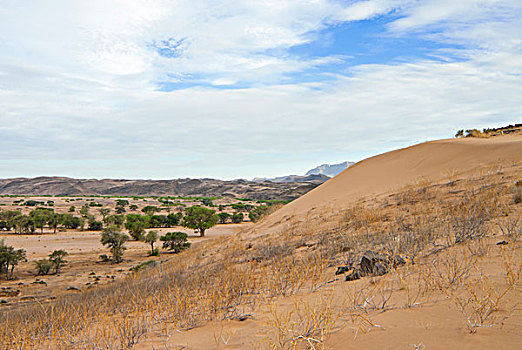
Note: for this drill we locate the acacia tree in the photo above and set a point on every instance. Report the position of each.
(53, 221)
(223, 217)
(151, 238)
(175, 241)
(40, 217)
(199, 218)
(9, 259)
(237, 218)
(122, 202)
(104, 212)
(136, 229)
(150, 209)
(57, 259)
(115, 241)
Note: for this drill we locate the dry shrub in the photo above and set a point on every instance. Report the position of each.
(130, 330)
(517, 195)
(419, 191)
(307, 324)
(448, 272)
(358, 306)
(410, 239)
(361, 217)
(481, 302)
(512, 265)
(470, 215)
(219, 279)
(411, 282)
(511, 228)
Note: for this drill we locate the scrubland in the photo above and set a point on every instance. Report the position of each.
(458, 288)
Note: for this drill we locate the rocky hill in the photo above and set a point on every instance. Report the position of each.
(330, 170)
(315, 178)
(178, 187)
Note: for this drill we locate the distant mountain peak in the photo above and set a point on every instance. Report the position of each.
(319, 174)
(330, 170)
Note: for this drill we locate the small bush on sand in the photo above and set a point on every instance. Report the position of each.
(43, 266)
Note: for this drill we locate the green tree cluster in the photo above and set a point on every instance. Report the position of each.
(9, 259)
(55, 262)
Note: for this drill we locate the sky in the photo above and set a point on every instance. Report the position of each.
(159, 89)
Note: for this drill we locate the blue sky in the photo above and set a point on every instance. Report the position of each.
(238, 89)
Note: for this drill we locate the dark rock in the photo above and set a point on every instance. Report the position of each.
(398, 260)
(379, 269)
(354, 275)
(502, 243)
(3, 301)
(342, 269)
(242, 318)
(73, 288)
(369, 261)
(9, 292)
(372, 264)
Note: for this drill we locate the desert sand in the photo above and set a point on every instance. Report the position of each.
(430, 161)
(273, 285)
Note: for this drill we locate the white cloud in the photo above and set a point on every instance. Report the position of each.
(78, 84)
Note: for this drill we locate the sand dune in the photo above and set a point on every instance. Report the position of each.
(433, 161)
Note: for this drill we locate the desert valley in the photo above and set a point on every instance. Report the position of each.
(415, 248)
(260, 175)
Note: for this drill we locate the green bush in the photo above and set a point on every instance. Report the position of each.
(237, 218)
(141, 266)
(95, 225)
(223, 217)
(175, 241)
(259, 212)
(43, 266)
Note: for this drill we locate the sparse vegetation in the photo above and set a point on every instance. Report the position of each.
(258, 213)
(43, 266)
(444, 233)
(57, 258)
(115, 241)
(9, 259)
(175, 241)
(200, 219)
(150, 238)
(237, 218)
(224, 217)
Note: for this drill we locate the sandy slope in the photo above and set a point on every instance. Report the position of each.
(436, 324)
(433, 161)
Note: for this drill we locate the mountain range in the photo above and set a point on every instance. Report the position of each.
(64, 186)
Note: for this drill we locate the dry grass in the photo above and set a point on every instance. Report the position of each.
(307, 324)
(442, 230)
